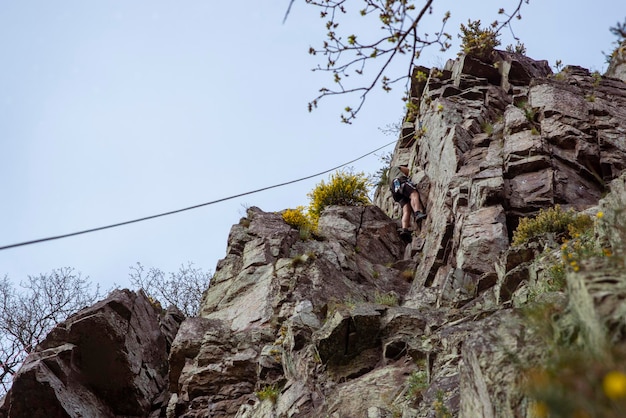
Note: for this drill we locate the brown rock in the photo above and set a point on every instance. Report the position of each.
(483, 238)
(108, 360)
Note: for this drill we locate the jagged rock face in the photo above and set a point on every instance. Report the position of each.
(494, 143)
(498, 143)
(267, 264)
(109, 360)
(279, 307)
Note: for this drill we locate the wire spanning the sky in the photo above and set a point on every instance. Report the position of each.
(172, 212)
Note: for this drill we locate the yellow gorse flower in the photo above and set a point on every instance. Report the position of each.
(540, 410)
(614, 384)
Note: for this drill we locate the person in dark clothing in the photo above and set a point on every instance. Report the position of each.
(405, 193)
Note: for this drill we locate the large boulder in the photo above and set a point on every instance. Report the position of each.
(108, 360)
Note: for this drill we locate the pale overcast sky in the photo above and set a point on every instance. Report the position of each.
(111, 111)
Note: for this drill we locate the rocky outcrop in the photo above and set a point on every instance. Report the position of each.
(109, 360)
(353, 322)
(280, 309)
(495, 152)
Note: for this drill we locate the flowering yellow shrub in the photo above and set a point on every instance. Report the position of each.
(299, 219)
(344, 188)
(296, 217)
(614, 384)
(576, 384)
(552, 220)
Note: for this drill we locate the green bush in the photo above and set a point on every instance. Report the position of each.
(553, 220)
(416, 384)
(582, 244)
(381, 177)
(344, 188)
(478, 42)
(268, 392)
(580, 374)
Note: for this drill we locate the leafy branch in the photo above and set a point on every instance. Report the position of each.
(349, 55)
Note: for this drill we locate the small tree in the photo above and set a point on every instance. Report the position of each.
(30, 311)
(477, 41)
(182, 289)
(619, 30)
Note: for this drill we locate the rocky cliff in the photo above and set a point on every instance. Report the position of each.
(353, 322)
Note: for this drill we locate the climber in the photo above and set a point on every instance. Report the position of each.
(405, 192)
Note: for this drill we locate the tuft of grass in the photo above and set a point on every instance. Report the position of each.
(268, 392)
(298, 260)
(597, 78)
(407, 275)
(388, 299)
(301, 259)
(487, 128)
(529, 112)
(416, 384)
(521, 104)
(441, 410)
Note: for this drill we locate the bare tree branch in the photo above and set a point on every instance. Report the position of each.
(288, 10)
(27, 315)
(182, 289)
